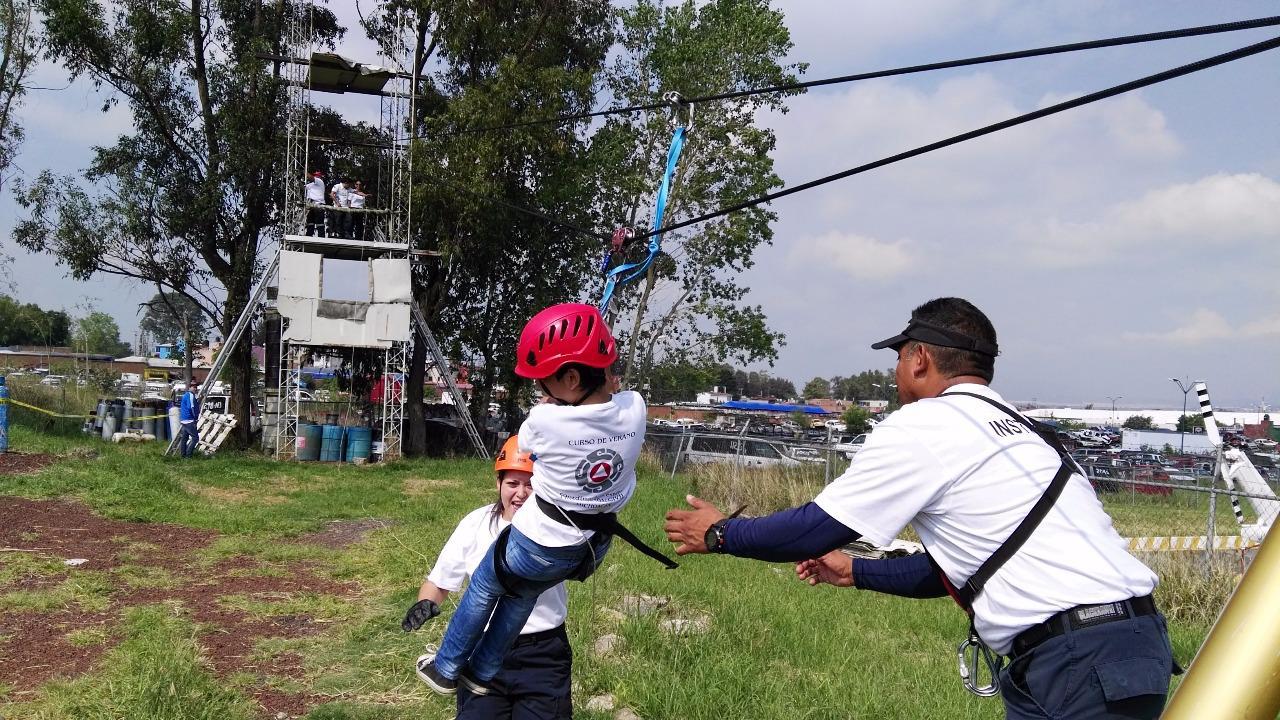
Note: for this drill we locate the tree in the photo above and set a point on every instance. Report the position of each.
(817, 388)
(185, 201)
(170, 317)
(483, 65)
(676, 381)
(1139, 422)
(690, 300)
(28, 324)
(19, 47)
(98, 333)
(856, 419)
(1190, 423)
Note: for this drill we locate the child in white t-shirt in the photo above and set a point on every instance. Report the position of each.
(585, 441)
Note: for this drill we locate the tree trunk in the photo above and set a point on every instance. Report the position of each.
(415, 432)
(632, 341)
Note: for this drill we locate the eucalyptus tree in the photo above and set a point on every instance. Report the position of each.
(482, 65)
(692, 303)
(19, 46)
(190, 197)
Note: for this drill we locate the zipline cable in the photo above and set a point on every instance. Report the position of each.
(1003, 125)
(911, 69)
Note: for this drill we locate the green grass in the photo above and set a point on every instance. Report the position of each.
(88, 590)
(775, 649)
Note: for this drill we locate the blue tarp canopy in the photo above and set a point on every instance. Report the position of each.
(773, 407)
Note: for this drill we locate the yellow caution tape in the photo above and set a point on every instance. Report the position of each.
(1185, 543)
(51, 413)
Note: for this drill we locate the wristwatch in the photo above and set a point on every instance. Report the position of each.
(714, 539)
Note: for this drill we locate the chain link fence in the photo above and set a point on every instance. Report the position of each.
(1186, 523)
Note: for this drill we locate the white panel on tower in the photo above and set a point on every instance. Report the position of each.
(300, 274)
(391, 280)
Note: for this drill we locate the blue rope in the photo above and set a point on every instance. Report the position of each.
(624, 274)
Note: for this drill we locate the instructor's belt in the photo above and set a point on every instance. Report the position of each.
(601, 523)
(1082, 616)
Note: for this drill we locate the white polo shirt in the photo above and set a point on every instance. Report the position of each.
(315, 191)
(341, 195)
(467, 547)
(964, 475)
(584, 459)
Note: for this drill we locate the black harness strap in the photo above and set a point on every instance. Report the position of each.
(965, 594)
(602, 523)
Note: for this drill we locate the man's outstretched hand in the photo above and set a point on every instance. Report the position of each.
(688, 528)
(834, 568)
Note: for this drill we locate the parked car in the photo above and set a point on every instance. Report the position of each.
(808, 455)
(53, 380)
(725, 449)
(851, 448)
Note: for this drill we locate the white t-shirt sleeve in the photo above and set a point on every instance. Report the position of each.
(530, 439)
(892, 479)
(451, 570)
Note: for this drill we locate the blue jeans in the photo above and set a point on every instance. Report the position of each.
(536, 568)
(1116, 670)
(188, 436)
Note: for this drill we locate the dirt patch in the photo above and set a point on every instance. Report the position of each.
(416, 487)
(18, 463)
(339, 534)
(34, 647)
(232, 496)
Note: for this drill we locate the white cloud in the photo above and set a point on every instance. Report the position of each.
(1206, 326)
(1210, 215)
(859, 256)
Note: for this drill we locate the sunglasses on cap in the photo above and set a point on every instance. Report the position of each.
(924, 332)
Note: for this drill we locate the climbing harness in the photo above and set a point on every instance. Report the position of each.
(974, 655)
(628, 272)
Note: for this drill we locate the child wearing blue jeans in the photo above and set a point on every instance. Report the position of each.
(585, 440)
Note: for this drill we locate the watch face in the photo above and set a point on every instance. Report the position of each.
(712, 538)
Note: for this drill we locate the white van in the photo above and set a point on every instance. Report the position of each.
(724, 449)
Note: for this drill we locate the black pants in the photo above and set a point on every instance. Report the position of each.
(1115, 671)
(315, 222)
(357, 226)
(533, 684)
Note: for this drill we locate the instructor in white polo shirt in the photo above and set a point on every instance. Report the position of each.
(1013, 529)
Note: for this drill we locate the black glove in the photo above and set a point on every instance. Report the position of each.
(422, 611)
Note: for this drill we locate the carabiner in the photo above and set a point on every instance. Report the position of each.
(677, 103)
(973, 654)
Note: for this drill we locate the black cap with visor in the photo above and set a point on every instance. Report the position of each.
(931, 334)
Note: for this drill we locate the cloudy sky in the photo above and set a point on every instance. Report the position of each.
(1114, 246)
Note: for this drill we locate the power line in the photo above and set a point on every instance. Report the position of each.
(1004, 125)
(911, 69)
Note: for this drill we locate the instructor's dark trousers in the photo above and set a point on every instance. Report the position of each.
(188, 438)
(533, 684)
(1116, 670)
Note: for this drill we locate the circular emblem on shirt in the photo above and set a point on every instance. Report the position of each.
(599, 470)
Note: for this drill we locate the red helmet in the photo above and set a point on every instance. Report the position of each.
(562, 334)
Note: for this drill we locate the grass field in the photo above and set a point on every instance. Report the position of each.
(257, 559)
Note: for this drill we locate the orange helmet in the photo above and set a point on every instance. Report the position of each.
(511, 458)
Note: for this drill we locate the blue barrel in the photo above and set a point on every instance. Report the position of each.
(331, 444)
(359, 439)
(308, 442)
(4, 416)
